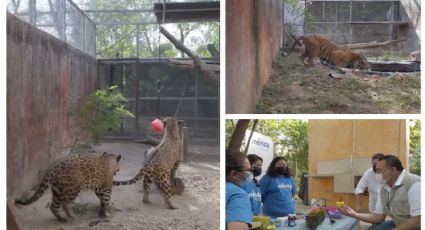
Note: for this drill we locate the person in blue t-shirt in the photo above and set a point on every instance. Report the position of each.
(238, 207)
(278, 189)
(252, 186)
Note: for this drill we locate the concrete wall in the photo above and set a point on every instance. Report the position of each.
(341, 139)
(43, 75)
(253, 30)
(410, 10)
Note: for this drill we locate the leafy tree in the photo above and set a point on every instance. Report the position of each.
(230, 125)
(211, 31)
(238, 135)
(121, 39)
(290, 138)
(102, 111)
(415, 147)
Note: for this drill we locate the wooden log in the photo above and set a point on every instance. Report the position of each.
(191, 64)
(185, 142)
(405, 66)
(148, 141)
(373, 44)
(342, 70)
(182, 63)
(201, 65)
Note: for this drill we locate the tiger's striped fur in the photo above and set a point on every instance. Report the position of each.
(329, 51)
(162, 164)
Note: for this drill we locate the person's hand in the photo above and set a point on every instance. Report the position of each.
(358, 208)
(347, 211)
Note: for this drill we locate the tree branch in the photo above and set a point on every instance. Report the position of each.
(373, 44)
(201, 65)
(238, 134)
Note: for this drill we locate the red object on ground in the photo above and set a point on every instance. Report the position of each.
(157, 125)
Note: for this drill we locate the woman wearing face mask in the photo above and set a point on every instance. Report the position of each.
(238, 207)
(278, 189)
(252, 186)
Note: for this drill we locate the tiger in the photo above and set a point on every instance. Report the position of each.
(329, 51)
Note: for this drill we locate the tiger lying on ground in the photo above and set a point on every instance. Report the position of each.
(329, 51)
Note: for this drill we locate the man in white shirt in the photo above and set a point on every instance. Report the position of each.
(369, 182)
(400, 198)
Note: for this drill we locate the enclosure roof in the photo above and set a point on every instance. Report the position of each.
(151, 11)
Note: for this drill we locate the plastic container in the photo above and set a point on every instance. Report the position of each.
(292, 220)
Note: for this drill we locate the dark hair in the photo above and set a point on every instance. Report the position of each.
(271, 171)
(234, 161)
(392, 161)
(378, 156)
(254, 158)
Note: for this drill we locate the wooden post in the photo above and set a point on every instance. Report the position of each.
(185, 140)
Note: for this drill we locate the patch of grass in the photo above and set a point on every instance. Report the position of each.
(384, 106)
(295, 88)
(389, 57)
(332, 102)
(353, 84)
(409, 100)
(305, 82)
(263, 108)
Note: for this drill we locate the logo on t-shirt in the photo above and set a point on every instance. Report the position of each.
(285, 186)
(255, 195)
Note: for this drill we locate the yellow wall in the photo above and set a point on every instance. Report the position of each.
(341, 139)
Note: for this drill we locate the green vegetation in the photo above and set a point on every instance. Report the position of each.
(415, 147)
(290, 138)
(120, 40)
(102, 111)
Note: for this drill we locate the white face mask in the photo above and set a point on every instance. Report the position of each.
(378, 177)
(246, 176)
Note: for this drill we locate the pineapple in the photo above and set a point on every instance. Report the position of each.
(265, 220)
(315, 217)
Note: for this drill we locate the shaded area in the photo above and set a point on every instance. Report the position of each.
(253, 30)
(47, 80)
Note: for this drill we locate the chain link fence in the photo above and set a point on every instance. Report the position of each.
(60, 18)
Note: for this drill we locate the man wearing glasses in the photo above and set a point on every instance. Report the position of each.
(399, 198)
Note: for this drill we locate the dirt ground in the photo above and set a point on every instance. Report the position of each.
(295, 88)
(198, 206)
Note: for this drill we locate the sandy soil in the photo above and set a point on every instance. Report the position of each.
(295, 88)
(198, 206)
